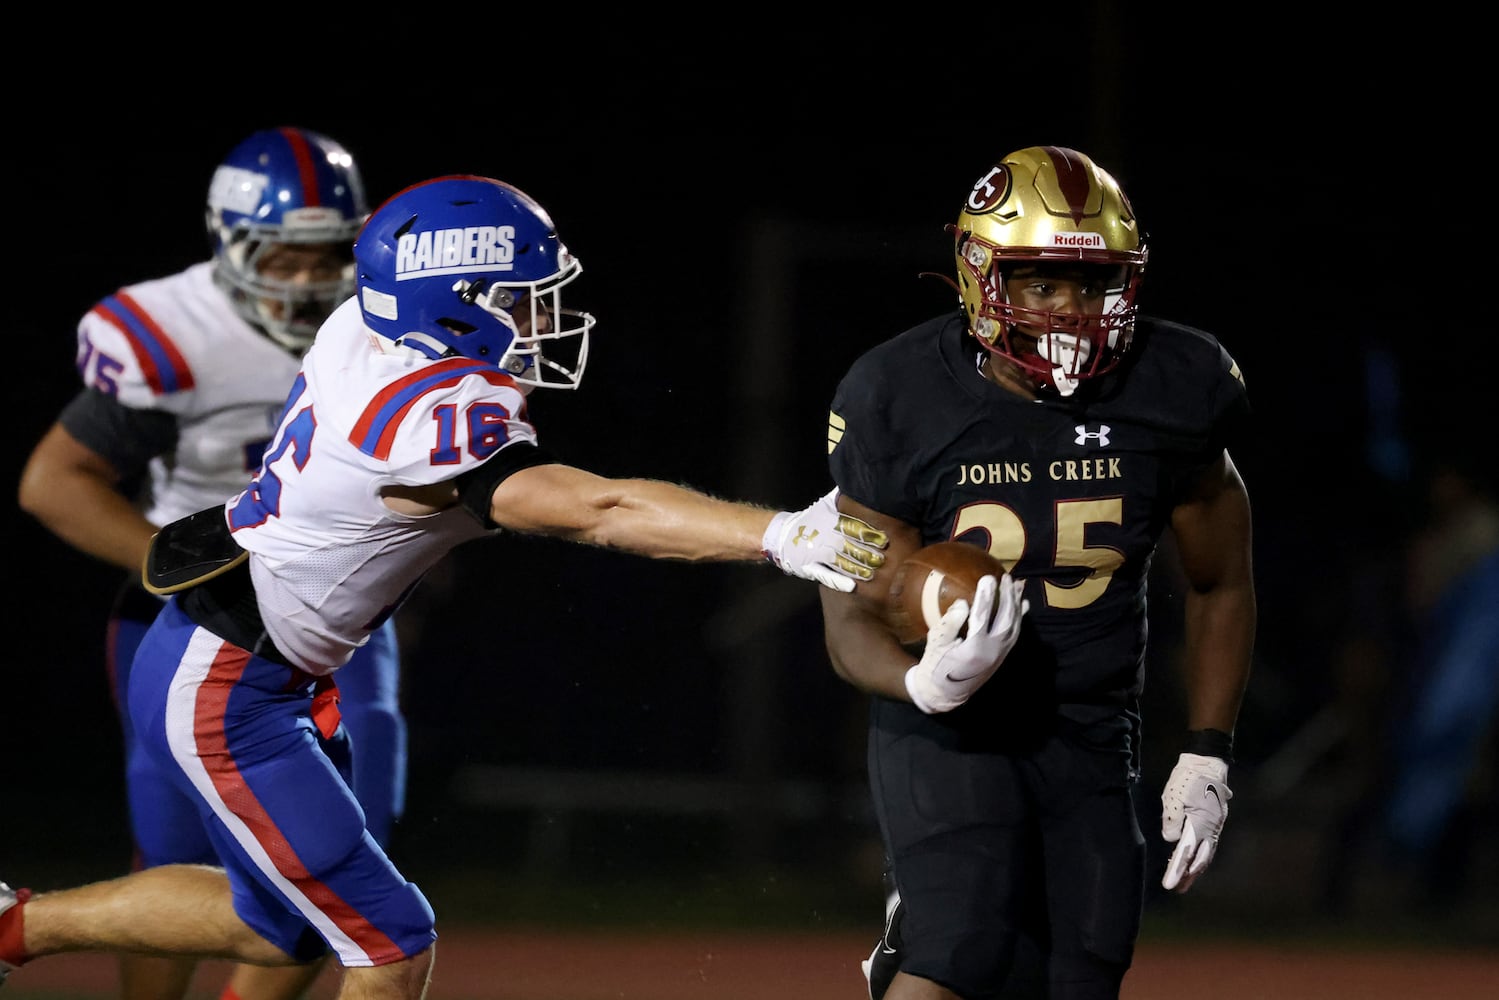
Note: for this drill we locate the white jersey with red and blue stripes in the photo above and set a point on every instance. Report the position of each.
(329, 559)
(176, 344)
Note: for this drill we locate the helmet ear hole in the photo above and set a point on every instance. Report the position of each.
(458, 326)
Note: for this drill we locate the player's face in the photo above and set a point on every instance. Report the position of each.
(1056, 308)
(531, 323)
(299, 264)
(1062, 290)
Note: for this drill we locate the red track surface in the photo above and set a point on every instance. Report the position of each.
(528, 965)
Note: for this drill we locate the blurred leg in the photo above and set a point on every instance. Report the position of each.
(173, 909)
(164, 823)
(369, 700)
(148, 977)
(404, 980)
(256, 982)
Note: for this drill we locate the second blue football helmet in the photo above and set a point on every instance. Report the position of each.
(470, 266)
(285, 186)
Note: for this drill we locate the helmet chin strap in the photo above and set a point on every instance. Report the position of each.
(1066, 352)
(423, 344)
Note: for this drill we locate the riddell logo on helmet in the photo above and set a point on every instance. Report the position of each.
(455, 251)
(1091, 240)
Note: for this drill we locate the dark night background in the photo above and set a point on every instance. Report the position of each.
(752, 209)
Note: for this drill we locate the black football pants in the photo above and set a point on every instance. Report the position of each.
(1021, 869)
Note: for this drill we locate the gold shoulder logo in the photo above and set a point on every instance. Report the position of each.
(836, 427)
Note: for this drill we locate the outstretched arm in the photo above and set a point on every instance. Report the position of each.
(644, 516)
(665, 521)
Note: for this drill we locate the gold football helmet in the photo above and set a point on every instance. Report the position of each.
(1048, 204)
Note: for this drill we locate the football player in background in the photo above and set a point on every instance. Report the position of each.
(184, 378)
(405, 434)
(1046, 421)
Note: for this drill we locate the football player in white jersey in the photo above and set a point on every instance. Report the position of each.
(184, 377)
(405, 434)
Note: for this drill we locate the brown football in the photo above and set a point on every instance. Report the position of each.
(929, 580)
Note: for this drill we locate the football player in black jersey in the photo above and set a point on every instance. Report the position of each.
(1048, 422)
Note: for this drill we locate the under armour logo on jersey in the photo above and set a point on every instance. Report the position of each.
(1084, 435)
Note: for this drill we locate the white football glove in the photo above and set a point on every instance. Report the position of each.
(1193, 808)
(823, 544)
(952, 668)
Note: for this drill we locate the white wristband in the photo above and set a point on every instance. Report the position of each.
(921, 698)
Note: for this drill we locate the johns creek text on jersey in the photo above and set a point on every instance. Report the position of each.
(1062, 470)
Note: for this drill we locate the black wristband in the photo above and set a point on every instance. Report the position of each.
(1211, 743)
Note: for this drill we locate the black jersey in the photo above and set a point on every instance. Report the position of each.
(1071, 494)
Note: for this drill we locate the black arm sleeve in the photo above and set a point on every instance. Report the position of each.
(476, 486)
(128, 438)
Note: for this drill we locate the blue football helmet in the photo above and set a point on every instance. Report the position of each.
(470, 266)
(285, 186)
